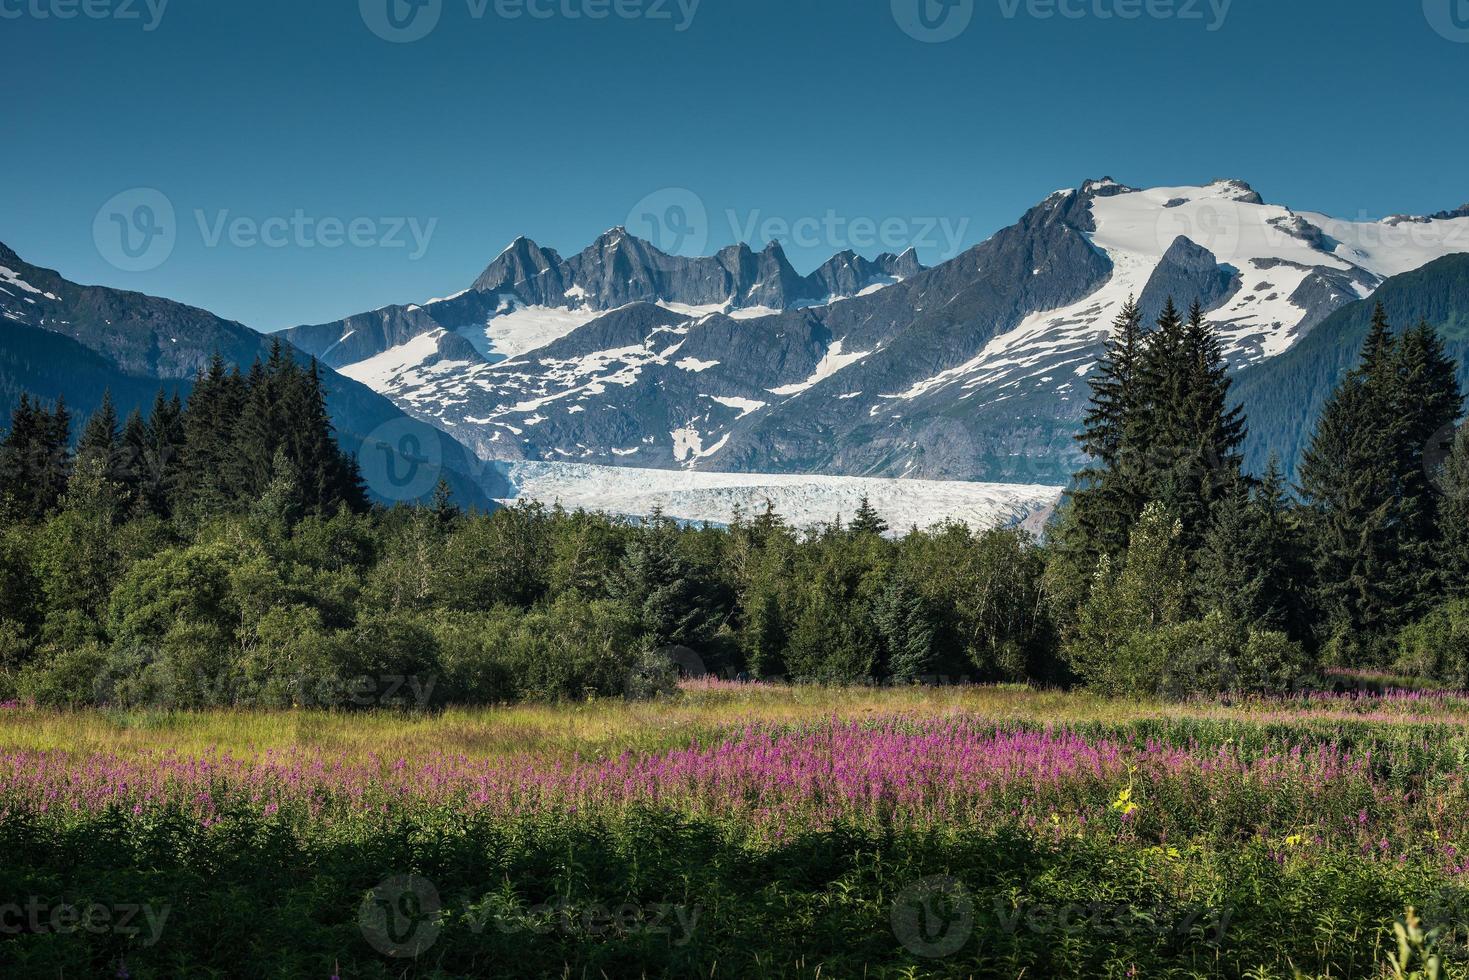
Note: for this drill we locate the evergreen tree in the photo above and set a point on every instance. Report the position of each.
(35, 460)
(675, 604)
(1106, 501)
(1284, 598)
(1231, 568)
(133, 449)
(765, 636)
(1427, 403)
(1375, 513)
(1453, 517)
(445, 512)
(213, 409)
(257, 433)
(281, 506)
(100, 437)
(908, 627)
(1193, 431)
(868, 521)
(53, 463)
(1346, 479)
(1252, 566)
(162, 441)
(17, 460)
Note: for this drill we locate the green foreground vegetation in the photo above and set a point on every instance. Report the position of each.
(1154, 867)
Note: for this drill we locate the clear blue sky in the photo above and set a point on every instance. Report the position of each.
(557, 126)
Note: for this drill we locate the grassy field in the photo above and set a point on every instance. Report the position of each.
(741, 831)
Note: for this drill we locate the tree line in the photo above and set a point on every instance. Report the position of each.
(221, 551)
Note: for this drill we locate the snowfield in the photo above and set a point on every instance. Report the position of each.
(802, 500)
(1275, 250)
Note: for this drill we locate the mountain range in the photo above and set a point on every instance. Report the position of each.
(625, 356)
(972, 370)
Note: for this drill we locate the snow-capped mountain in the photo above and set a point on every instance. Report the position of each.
(972, 370)
(530, 297)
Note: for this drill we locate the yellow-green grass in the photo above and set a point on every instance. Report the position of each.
(610, 727)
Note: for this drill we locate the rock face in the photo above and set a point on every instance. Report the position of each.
(1187, 270)
(974, 370)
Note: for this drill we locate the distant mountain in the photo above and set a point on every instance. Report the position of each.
(530, 296)
(973, 370)
(1284, 396)
(58, 338)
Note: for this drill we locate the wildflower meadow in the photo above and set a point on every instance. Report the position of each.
(744, 830)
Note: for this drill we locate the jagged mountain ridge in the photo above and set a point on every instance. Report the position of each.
(529, 296)
(972, 370)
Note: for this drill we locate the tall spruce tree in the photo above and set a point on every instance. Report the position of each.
(1427, 403)
(1346, 480)
(54, 463)
(867, 520)
(100, 438)
(158, 459)
(1453, 518)
(258, 432)
(1107, 499)
(209, 421)
(1193, 432)
(1252, 565)
(132, 451)
(1376, 525)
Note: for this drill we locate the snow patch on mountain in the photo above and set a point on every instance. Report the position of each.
(521, 329)
(12, 278)
(834, 360)
(1393, 246)
(802, 500)
(400, 367)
